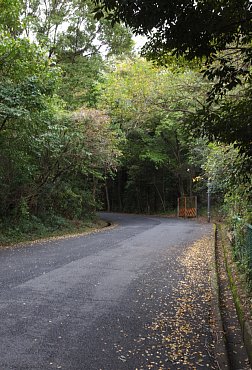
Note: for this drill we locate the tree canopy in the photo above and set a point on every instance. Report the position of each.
(192, 28)
(219, 34)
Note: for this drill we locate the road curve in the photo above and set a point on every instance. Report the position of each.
(80, 303)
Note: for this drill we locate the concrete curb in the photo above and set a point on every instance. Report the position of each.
(220, 342)
(246, 326)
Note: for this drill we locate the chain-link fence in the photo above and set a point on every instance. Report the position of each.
(248, 239)
(242, 245)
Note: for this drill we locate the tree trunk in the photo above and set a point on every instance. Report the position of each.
(160, 197)
(107, 196)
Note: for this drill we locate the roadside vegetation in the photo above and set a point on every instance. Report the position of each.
(87, 124)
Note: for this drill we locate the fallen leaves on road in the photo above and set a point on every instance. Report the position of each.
(179, 334)
(189, 327)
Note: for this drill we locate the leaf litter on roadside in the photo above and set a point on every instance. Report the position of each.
(179, 335)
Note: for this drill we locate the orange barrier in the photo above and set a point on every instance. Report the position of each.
(187, 212)
(187, 207)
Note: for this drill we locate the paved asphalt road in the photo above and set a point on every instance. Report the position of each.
(86, 302)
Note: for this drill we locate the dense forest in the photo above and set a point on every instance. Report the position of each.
(86, 123)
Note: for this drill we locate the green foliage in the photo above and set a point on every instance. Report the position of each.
(54, 152)
(227, 121)
(69, 30)
(10, 16)
(79, 43)
(28, 81)
(79, 83)
(50, 226)
(218, 35)
(58, 172)
(150, 104)
(140, 93)
(225, 169)
(192, 29)
(196, 28)
(27, 86)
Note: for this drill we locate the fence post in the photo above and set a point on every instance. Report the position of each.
(208, 202)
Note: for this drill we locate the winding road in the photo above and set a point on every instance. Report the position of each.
(92, 302)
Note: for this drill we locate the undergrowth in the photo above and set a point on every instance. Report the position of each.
(14, 231)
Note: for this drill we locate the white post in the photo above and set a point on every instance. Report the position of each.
(208, 201)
